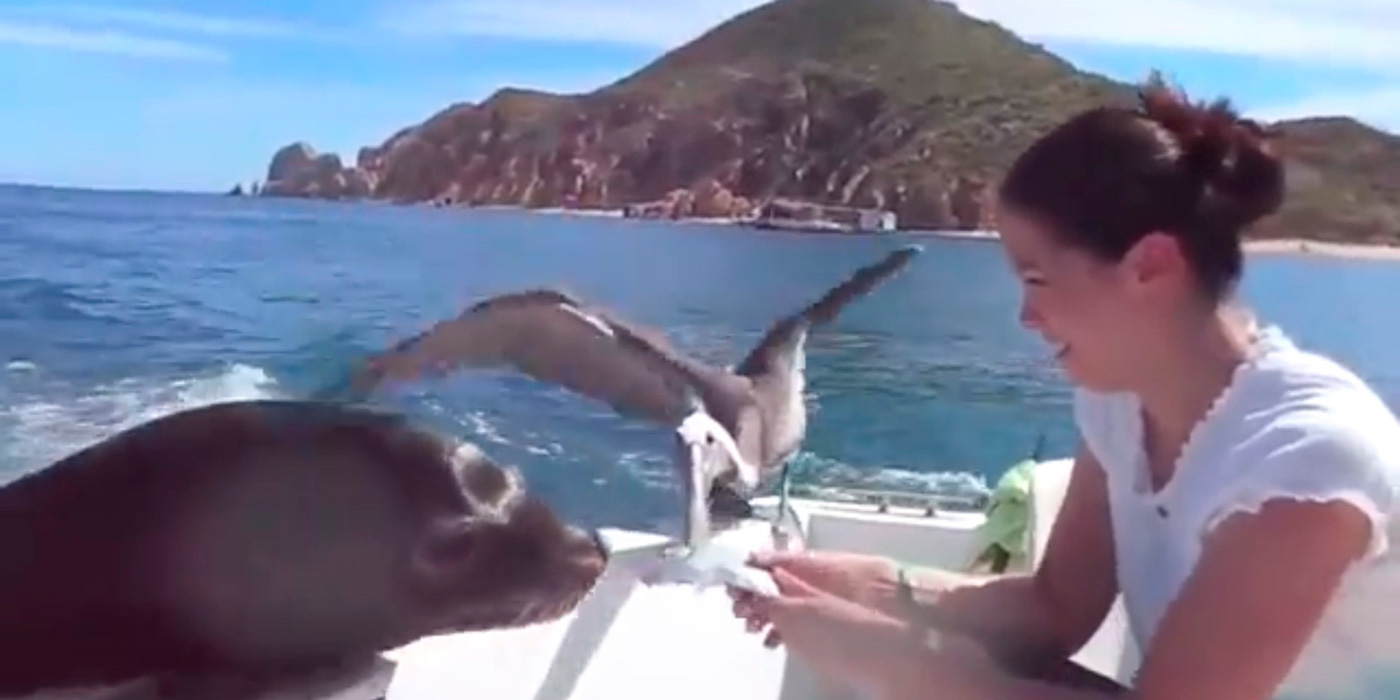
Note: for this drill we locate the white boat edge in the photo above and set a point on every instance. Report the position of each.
(630, 640)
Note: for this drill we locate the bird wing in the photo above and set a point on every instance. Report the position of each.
(553, 337)
(786, 334)
(775, 364)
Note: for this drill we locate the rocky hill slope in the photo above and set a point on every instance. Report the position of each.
(901, 104)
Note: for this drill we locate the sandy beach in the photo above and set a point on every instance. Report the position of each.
(972, 235)
(1293, 246)
(1277, 246)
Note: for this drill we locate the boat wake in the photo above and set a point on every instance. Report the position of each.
(42, 421)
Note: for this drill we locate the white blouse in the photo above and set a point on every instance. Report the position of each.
(1291, 424)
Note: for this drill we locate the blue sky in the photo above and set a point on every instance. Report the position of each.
(178, 94)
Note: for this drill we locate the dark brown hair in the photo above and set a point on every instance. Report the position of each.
(1109, 176)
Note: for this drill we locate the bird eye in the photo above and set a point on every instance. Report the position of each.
(710, 439)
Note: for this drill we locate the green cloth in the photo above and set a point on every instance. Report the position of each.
(1008, 515)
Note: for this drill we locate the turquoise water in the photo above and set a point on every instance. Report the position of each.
(115, 308)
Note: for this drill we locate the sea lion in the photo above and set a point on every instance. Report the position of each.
(269, 537)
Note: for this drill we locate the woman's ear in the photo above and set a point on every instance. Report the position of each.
(1155, 258)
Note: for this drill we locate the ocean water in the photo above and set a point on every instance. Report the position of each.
(117, 307)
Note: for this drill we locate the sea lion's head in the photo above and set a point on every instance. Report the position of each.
(505, 559)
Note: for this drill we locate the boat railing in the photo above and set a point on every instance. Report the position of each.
(931, 503)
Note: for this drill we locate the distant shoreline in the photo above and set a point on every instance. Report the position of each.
(1270, 247)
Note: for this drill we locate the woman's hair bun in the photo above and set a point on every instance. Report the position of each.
(1241, 180)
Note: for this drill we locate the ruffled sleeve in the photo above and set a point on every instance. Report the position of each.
(1318, 462)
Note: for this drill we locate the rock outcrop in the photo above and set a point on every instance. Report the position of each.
(298, 171)
(906, 105)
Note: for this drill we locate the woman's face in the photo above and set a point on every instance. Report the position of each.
(1092, 313)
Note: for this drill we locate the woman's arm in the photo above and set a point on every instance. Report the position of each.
(1034, 621)
(1239, 625)
(1260, 589)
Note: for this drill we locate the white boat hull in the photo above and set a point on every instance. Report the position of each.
(633, 641)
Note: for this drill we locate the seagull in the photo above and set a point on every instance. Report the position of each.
(734, 427)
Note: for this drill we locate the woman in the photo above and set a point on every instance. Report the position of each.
(1239, 491)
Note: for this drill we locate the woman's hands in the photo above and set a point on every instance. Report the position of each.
(855, 578)
(843, 639)
(859, 578)
(862, 579)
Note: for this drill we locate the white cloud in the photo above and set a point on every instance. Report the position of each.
(230, 101)
(81, 17)
(1348, 32)
(106, 42)
(1380, 108)
(171, 20)
(1352, 33)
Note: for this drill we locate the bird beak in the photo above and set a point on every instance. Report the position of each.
(697, 480)
(727, 503)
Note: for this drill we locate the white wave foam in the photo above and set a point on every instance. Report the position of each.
(40, 429)
(823, 472)
(817, 472)
(651, 470)
(483, 427)
(477, 422)
(44, 422)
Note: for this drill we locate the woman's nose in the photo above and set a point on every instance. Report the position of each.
(1030, 318)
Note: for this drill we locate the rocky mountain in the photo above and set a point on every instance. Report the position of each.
(907, 105)
(1344, 181)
